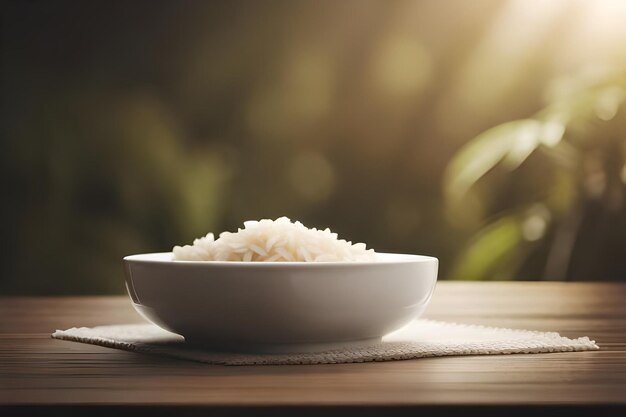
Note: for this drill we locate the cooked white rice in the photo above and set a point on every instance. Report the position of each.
(279, 240)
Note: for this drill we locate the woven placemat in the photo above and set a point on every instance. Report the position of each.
(420, 339)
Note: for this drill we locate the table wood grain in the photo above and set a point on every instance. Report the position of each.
(42, 375)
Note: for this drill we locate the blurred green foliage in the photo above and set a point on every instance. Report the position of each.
(573, 215)
(132, 126)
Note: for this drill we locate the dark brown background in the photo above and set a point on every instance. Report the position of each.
(132, 126)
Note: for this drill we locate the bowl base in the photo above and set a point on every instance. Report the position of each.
(276, 348)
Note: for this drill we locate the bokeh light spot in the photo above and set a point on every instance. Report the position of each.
(533, 228)
(536, 222)
(300, 97)
(609, 103)
(401, 66)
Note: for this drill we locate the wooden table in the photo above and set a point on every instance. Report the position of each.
(40, 374)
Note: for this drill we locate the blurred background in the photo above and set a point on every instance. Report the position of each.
(490, 133)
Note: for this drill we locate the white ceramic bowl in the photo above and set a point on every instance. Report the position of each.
(280, 306)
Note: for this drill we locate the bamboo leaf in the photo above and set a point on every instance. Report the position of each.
(509, 143)
(494, 251)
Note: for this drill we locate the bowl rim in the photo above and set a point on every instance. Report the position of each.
(387, 259)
